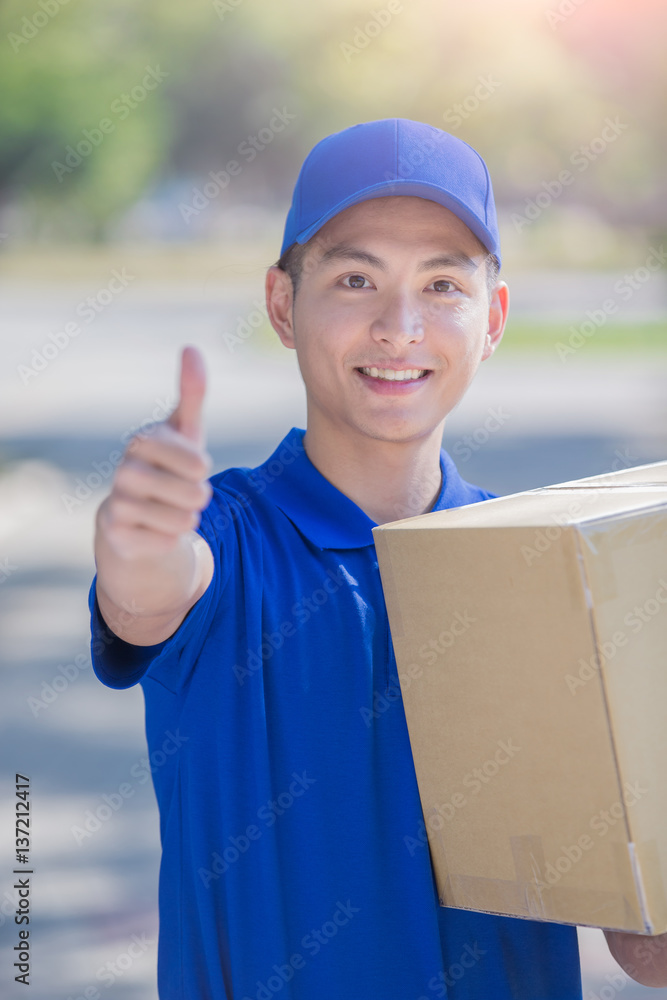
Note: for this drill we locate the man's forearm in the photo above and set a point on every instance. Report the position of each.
(144, 601)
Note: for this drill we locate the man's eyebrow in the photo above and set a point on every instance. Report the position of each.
(343, 251)
(456, 259)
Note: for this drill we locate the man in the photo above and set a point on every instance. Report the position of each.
(250, 609)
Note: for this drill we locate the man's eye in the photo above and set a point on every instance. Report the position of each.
(441, 285)
(355, 280)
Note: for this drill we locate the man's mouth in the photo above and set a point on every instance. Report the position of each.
(390, 375)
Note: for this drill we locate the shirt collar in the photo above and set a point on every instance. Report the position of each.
(328, 518)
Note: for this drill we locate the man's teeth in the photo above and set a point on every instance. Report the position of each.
(394, 376)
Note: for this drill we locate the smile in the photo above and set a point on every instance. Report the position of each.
(390, 375)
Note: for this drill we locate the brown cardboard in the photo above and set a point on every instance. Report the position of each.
(536, 696)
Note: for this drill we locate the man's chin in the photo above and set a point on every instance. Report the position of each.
(399, 432)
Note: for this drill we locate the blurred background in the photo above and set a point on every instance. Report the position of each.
(147, 157)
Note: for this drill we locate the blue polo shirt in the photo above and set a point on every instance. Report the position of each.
(294, 863)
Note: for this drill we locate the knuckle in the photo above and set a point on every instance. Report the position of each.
(109, 516)
(122, 475)
(201, 464)
(187, 519)
(129, 476)
(204, 476)
(202, 496)
(135, 444)
(120, 512)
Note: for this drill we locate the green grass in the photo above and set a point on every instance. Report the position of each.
(521, 335)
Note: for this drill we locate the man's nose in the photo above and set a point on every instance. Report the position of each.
(399, 322)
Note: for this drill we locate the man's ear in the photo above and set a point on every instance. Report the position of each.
(280, 304)
(498, 309)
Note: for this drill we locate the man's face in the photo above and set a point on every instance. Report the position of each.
(391, 288)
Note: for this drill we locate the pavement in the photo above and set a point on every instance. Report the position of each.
(528, 420)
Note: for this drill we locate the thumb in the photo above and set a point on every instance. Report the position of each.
(187, 417)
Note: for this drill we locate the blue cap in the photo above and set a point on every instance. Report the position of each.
(393, 156)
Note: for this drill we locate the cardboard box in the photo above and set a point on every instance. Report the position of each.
(530, 635)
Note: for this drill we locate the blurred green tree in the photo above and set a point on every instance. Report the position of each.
(528, 82)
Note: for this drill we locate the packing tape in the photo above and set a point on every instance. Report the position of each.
(647, 869)
(606, 588)
(532, 896)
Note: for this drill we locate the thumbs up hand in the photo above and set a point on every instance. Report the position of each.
(161, 485)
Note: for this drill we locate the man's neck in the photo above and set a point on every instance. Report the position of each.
(387, 480)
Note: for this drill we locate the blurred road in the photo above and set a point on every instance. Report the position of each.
(527, 421)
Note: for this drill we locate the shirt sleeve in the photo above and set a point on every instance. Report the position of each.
(120, 664)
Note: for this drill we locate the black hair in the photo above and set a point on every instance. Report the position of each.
(291, 261)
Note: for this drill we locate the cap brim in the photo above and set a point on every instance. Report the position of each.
(418, 189)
